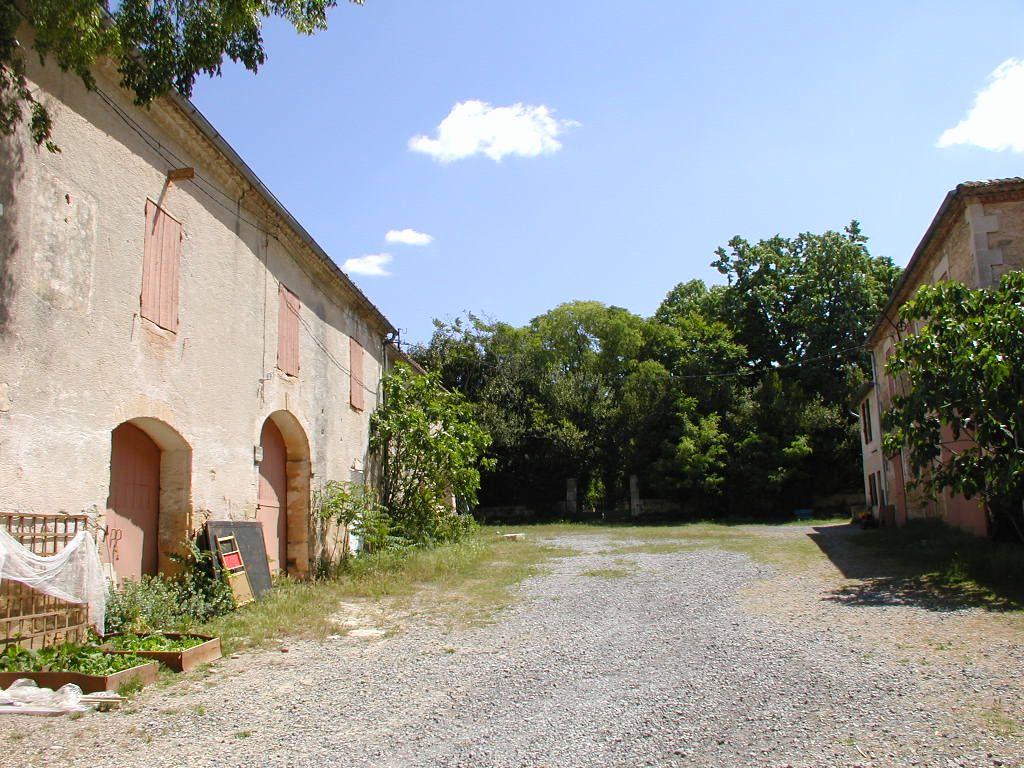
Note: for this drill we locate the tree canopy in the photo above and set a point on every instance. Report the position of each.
(961, 414)
(156, 45)
(730, 399)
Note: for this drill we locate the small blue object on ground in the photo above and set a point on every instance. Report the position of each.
(803, 514)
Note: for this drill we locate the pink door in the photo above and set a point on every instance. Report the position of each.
(134, 501)
(272, 499)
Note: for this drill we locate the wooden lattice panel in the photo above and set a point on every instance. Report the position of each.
(30, 618)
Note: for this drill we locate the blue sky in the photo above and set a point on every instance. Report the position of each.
(618, 144)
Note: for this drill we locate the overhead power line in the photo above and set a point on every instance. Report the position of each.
(785, 366)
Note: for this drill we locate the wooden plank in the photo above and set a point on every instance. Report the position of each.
(14, 709)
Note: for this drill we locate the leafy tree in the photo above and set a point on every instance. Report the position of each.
(496, 367)
(588, 352)
(962, 415)
(552, 395)
(702, 454)
(643, 421)
(156, 45)
(699, 348)
(802, 308)
(813, 295)
(430, 449)
(731, 398)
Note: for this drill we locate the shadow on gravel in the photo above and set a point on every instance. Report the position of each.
(886, 578)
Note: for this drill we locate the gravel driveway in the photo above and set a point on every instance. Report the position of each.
(695, 658)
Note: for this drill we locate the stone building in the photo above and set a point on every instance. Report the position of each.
(977, 235)
(173, 344)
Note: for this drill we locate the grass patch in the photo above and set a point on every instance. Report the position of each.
(608, 573)
(790, 553)
(468, 581)
(771, 544)
(129, 687)
(952, 565)
(482, 587)
(997, 720)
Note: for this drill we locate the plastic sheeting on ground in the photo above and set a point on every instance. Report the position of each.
(26, 693)
(74, 574)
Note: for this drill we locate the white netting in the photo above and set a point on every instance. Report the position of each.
(74, 574)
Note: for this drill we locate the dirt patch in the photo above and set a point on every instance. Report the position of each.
(970, 658)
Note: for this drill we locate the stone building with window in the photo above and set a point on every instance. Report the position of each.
(174, 345)
(976, 236)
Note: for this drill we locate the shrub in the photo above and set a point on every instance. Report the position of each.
(337, 509)
(155, 603)
(201, 593)
(374, 529)
(142, 606)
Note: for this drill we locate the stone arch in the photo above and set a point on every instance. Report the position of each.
(173, 523)
(295, 507)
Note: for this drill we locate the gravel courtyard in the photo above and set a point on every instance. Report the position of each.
(613, 657)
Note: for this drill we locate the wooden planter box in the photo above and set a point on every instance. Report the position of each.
(181, 661)
(144, 673)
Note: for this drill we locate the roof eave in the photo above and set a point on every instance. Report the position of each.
(911, 267)
(206, 128)
(953, 197)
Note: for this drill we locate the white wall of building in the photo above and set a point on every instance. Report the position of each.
(76, 357)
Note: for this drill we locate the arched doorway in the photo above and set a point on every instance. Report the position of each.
(272, 499)
(149, 499)
(282, 502)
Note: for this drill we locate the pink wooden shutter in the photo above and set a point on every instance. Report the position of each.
(355, 357)
(161, 258)
(150, 301)
(170, 258)
(288, 331)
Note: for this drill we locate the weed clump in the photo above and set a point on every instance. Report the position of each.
(154, 603)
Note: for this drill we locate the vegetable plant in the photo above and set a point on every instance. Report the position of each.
(67, 657)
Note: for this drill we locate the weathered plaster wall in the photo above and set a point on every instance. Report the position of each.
(76, 358)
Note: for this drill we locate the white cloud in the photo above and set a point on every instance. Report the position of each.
(372, 264)
(475, 127)
(996, 121)
(408, 237)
